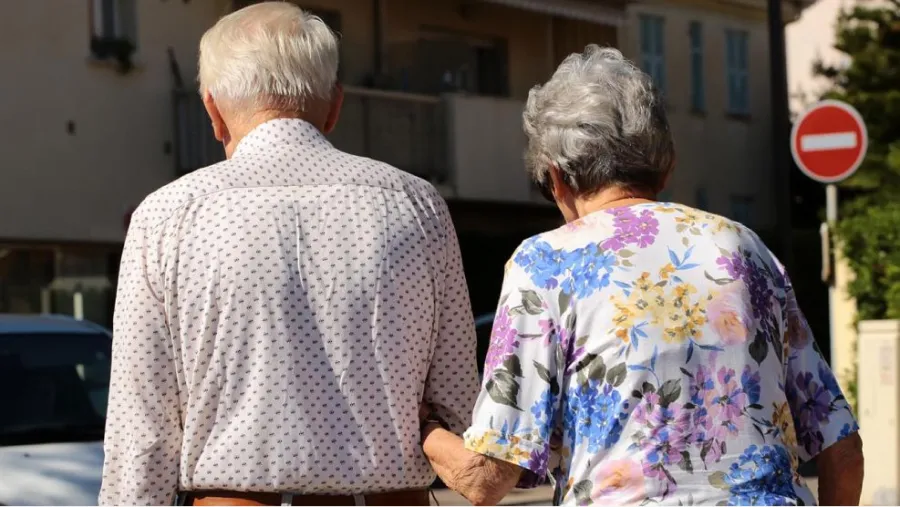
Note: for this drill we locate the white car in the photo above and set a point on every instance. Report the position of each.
(54, 383)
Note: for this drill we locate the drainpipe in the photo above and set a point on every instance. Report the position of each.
(780, 131)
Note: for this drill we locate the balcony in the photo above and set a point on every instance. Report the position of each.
(402, 129)
(195, 145)
(469, 147)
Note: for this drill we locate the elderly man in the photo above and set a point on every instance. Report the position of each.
(282, 315)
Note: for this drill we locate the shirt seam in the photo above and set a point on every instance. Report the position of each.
(153, 225)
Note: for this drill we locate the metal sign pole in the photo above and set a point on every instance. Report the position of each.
(831, 217)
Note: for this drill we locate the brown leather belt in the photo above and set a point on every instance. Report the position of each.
(228, 498)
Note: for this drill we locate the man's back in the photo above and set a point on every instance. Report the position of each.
(308, 301)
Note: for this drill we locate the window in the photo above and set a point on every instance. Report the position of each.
(736, 42)
(58, 382)
(446, 61)
(742, 209)
(114, 20)
(652, 56)
(114, 30)
(698, 98)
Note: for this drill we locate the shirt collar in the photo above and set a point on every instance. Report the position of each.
(280, 131)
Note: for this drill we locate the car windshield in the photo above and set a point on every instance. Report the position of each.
(53, 387)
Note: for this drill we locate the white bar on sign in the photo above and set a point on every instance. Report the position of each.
(824, 142)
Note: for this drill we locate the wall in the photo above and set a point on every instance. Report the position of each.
(726, 155)
(487, 143)
(879, 409)
(60, 186)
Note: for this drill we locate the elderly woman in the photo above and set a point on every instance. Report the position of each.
(656, 349)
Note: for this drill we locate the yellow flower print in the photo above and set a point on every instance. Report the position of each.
(675, 306)
(666, 271)
(784, 422)
(684, 318)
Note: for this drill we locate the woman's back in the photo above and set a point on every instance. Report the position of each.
(663, 347)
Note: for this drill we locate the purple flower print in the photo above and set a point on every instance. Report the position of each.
(539, 460)
(733, 265)
(548, 330)
(503, 341)
(732, 399)
(740, 266)
(811, 396)
(808, 433)
(721, 401)
(669, 430)
(631, 229)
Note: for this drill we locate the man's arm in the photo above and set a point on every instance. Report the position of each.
(841, 472)
(480, 479)
(143, 426)
(452, 382)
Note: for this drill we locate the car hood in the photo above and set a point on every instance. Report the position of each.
(51, 474)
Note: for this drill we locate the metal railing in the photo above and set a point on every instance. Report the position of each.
(195, 145)
(405, 130)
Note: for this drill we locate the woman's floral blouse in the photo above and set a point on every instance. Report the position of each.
(655, 354)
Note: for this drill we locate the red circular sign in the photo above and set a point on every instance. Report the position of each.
(829, 141)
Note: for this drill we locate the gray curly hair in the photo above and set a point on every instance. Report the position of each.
(600, 120)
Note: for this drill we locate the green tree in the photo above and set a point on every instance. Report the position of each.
(869, 34)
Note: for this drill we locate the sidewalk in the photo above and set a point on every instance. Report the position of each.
(538, 496)
(544, 495)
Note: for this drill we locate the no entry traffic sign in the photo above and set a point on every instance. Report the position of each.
(829, 141)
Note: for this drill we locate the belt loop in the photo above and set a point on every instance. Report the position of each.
(180, 498)
(287, 499)
(359, 499)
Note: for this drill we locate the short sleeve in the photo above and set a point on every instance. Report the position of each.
(517, 408)
(822, 416)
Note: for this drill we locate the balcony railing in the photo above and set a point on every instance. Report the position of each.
(405, 130)
(195, 144)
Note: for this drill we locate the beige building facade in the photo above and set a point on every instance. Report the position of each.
(101, 109)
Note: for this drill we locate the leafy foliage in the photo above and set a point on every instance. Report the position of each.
(869, 35)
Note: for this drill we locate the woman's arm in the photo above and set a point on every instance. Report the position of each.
(480, 479)
(841, 472)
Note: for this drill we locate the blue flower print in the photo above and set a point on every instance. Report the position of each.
(762, 476)
(750, 385)
(542, 410)
(542, 262)
(580, 272)
(847, 430)
(594, 414)
(590, 269)
(829, 382)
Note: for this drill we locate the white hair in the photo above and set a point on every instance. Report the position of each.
(269, 55)
(600, 121)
